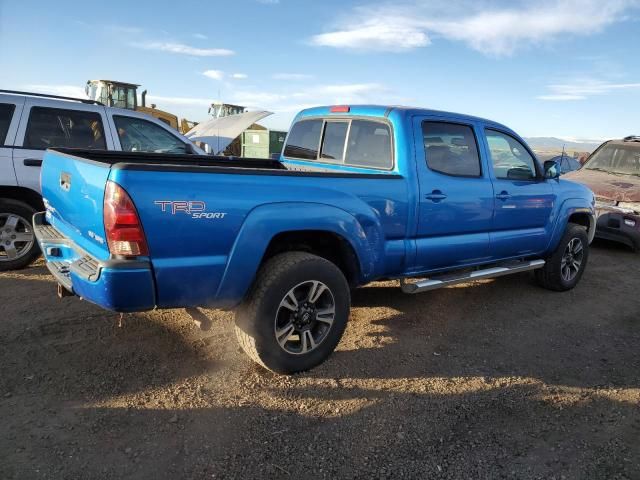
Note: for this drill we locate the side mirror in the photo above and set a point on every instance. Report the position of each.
(520, 173)
(551, 169)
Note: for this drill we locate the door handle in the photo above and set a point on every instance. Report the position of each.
(504, 195)
(435, 196)
(32, 162)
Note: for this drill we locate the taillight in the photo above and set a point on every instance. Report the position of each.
(340, 109)
(122, 224)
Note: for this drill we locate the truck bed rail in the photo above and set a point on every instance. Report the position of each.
(114, 157)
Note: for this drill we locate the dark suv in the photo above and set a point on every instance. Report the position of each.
(613, 173)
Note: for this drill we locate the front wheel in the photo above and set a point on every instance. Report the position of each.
(18, 246)
(295, 313)
(564, 268)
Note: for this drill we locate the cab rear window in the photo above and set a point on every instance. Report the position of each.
(353, 142)
(369, 144)
(304, 140)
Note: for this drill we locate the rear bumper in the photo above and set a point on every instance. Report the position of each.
(620, 227)
(118, 285)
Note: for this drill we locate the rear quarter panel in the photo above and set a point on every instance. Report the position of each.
(191, 256)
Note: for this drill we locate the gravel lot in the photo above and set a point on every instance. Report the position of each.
(497, 380)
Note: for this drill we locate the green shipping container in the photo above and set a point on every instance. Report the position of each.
(276, 141)
(255, 143)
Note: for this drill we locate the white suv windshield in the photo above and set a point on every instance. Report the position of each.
(137, 135)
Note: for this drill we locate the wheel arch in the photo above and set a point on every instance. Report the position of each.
(585, 219)
(323, 243)
(324, 230)
(573, 210)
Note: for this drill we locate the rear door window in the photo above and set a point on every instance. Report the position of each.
(54, 127)
(138, 135)
(6, 113)
(304, 140)
(451, 149)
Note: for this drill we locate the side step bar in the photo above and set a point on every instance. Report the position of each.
(453, 279)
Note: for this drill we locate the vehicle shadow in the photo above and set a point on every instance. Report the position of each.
(519, 431)
(504, 327)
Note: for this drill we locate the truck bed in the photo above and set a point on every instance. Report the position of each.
(124, 159)
(209, 220)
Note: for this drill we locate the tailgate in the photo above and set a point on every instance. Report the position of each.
(73, 191)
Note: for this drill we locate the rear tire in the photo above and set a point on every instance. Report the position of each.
(564, 268)
(18, 245)
(295, 313)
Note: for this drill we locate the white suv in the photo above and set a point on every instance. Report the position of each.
(30, 123)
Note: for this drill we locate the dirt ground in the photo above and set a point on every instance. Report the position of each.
(501, 379)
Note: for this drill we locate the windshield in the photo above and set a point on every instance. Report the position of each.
(620, 159)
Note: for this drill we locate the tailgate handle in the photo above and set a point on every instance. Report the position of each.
(32, 162)
(65, 181)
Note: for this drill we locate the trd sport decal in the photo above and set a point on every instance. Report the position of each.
(193, 208)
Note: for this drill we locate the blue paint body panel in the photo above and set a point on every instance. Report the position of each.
(384, 216)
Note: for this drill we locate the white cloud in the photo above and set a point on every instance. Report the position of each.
(257, 99)
(183, 49)
(220, 75)
(291, 76)
(493, 30)
(285, 102)
(560, 98)
(200, 36)
(282, 101)
(62, 90)
(582, 89)
(179, 101)
(383, 34)
(214, 74)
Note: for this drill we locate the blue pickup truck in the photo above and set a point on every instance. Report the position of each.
(360, 193)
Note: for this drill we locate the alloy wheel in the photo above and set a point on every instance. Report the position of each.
(16, 237)
(572, 259)
(304, 317)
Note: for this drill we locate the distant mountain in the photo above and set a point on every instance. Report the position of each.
(553, 144)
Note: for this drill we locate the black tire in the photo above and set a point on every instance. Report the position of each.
(551, 275)
(257, 319)
(10, 207)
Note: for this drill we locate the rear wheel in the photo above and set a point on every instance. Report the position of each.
(564, 268)
(295, 314)
(18, 246)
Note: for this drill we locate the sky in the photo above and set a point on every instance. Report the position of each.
(562, 68)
